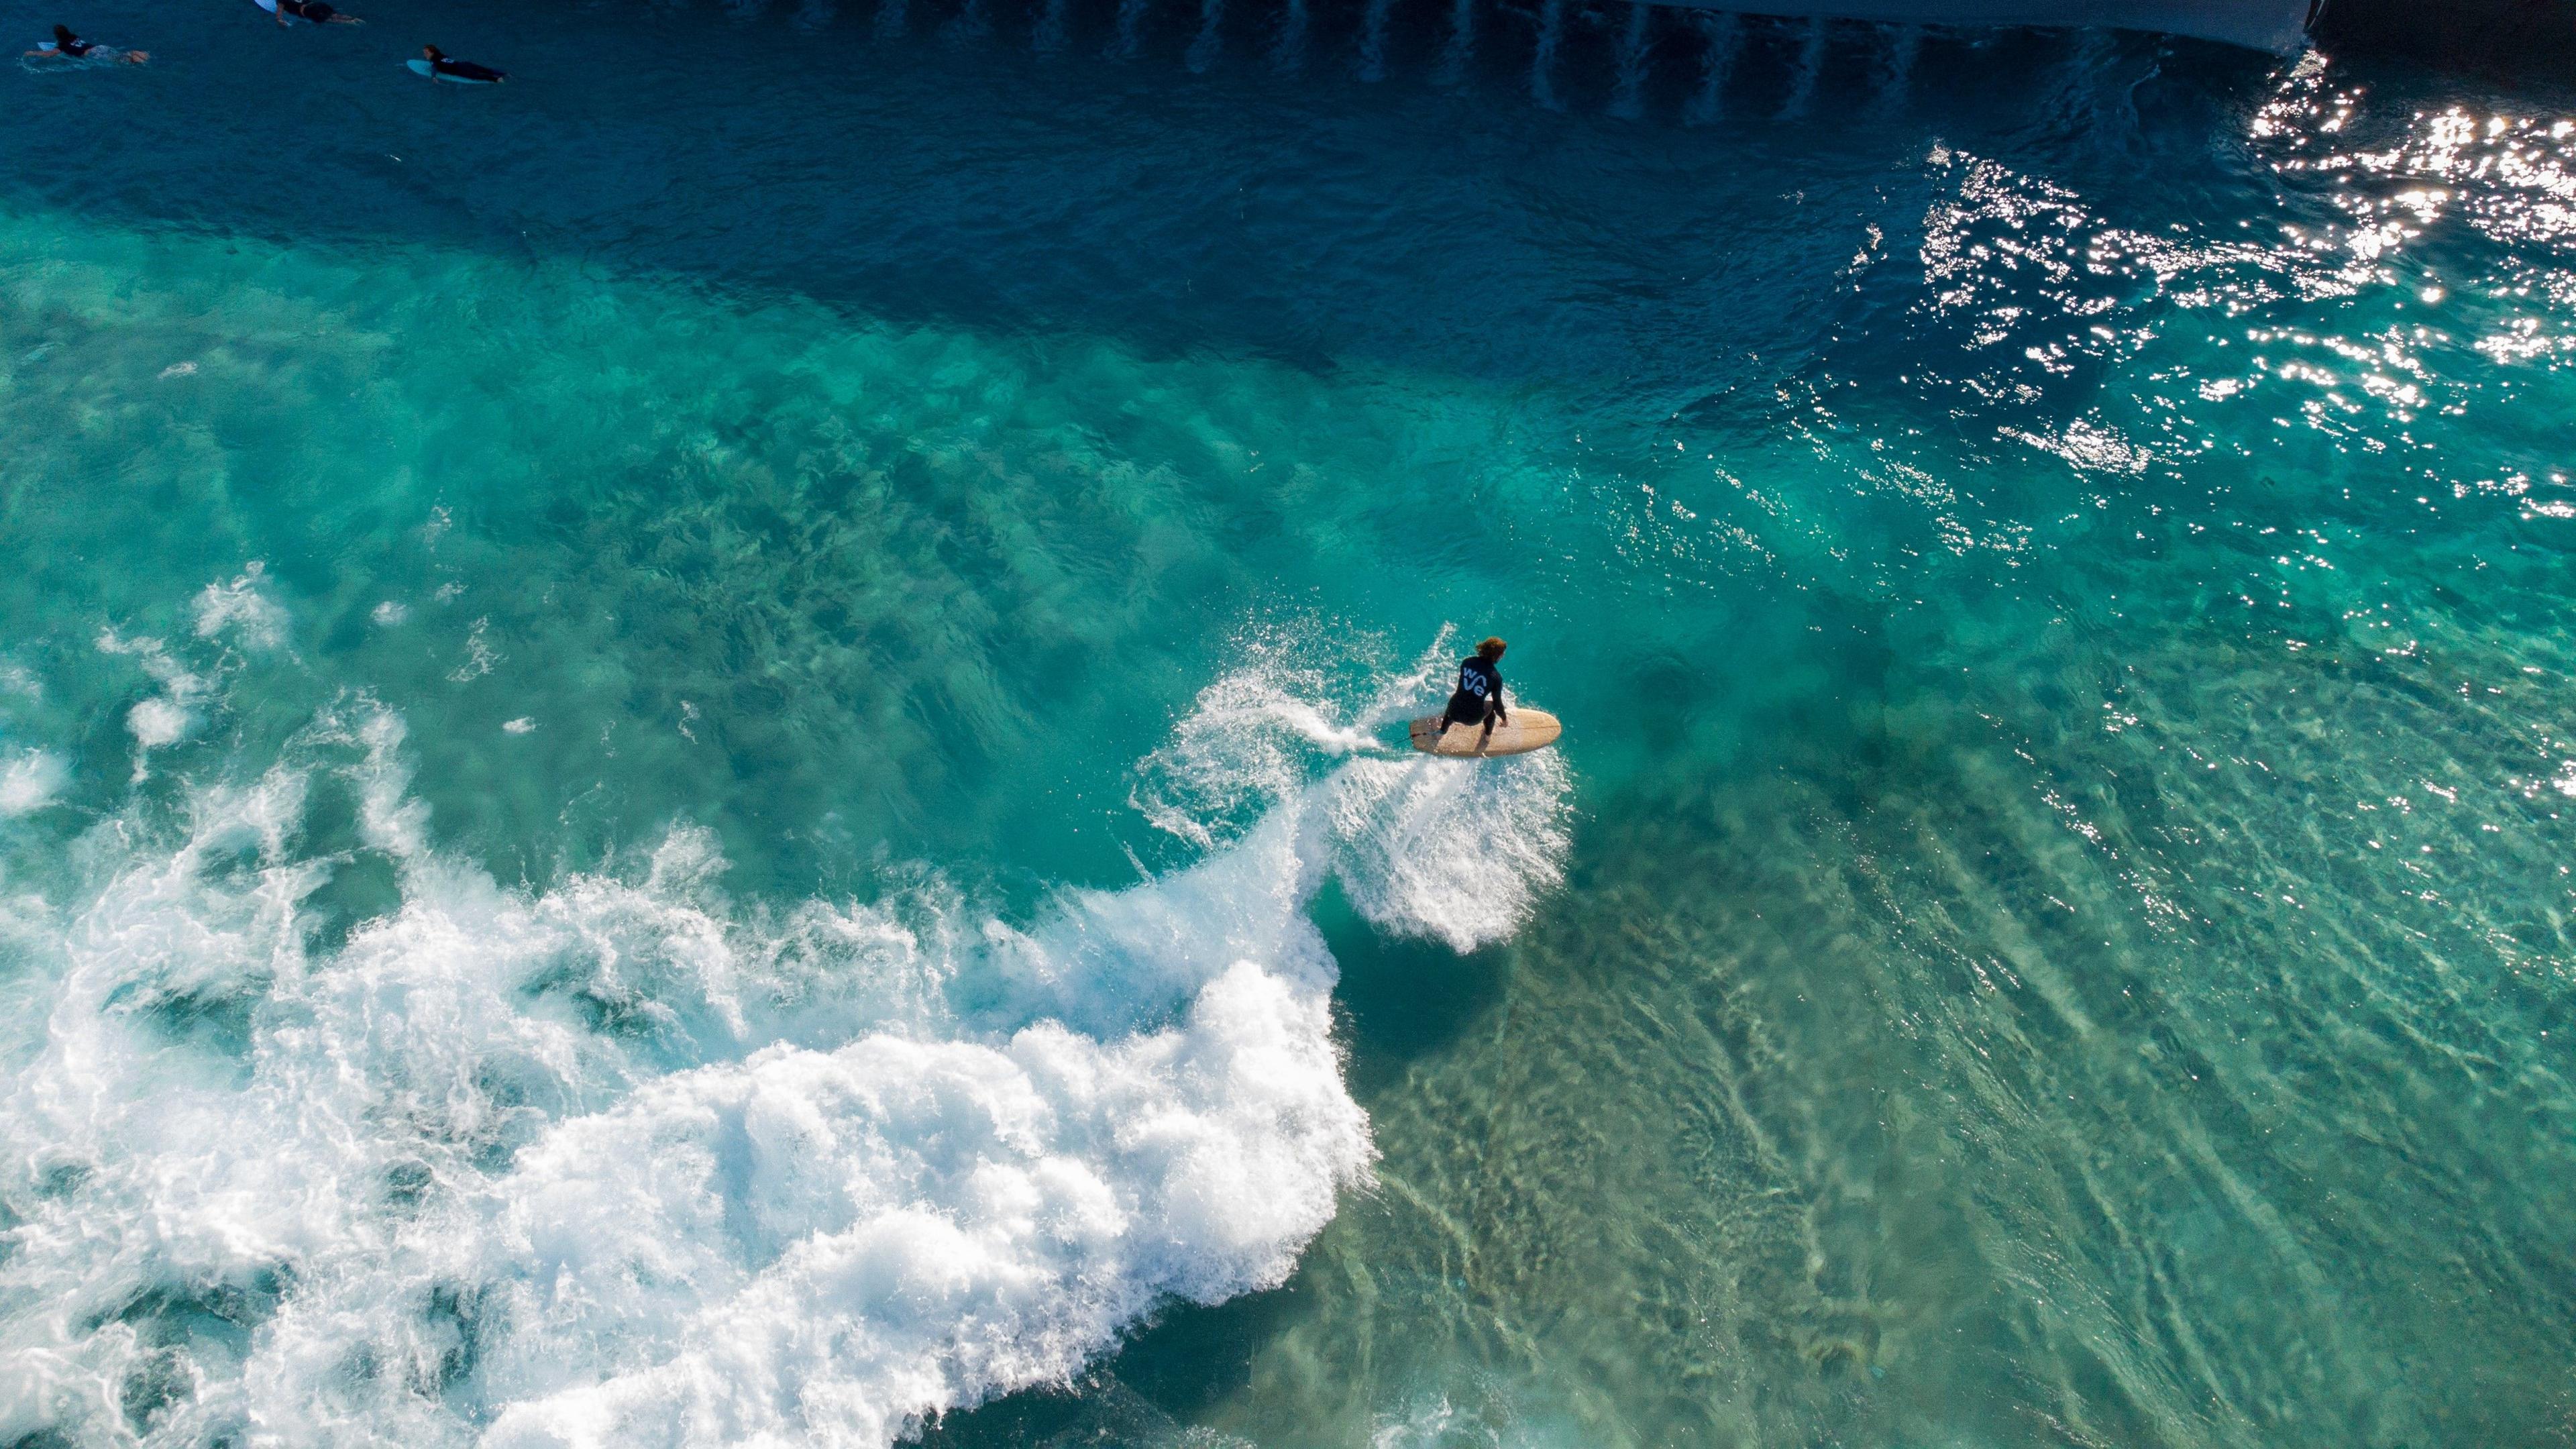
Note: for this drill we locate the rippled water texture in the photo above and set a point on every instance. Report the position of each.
(700, 751)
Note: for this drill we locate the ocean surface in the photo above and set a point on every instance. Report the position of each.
(706, 750)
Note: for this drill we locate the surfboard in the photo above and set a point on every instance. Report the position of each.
(1530, 729)
(422, 67)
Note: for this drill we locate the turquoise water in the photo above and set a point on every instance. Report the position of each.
(700, 751)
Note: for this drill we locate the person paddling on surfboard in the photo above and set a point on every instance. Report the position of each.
(464, 70)
(67, 46)
(313, 11)
(1478, 700)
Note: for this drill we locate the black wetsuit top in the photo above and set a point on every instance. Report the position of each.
(465, 70)
(1480, 692)
(313, 10)
(75, 47)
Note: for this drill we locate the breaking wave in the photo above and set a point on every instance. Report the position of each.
(316, 1132)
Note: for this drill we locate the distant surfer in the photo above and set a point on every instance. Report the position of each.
(464, 70)
(67, 46)
(1478, 699)
(313, 11)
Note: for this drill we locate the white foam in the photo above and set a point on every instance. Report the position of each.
(621, 1163)
(159, 722)
(243, 609)
(1252, 738)
(1454, 850)
(168, 717)
(1484, 1413)
(480, 656)
(1457, 851)
(30, 779)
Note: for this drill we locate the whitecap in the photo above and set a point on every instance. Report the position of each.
(621, 1162)
(243, 609)
(168, 717)
(29, 780)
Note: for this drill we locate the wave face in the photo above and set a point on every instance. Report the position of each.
(618, 1163)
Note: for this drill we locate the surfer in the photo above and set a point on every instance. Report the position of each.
(1478, 699)
(315, 11)
(67, 46)
(464, 70)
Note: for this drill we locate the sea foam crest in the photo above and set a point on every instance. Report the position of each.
(243, 609)
(1456, 851)
(619, 1162)
(29, 780)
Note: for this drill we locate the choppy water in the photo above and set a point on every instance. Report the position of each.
(697, 752)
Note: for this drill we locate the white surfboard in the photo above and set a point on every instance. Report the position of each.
(1530, 729)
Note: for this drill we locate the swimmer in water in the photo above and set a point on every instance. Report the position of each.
(314, 11)
(465, 70)
(67, 46)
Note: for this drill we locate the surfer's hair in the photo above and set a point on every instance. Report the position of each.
(1491, 649)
